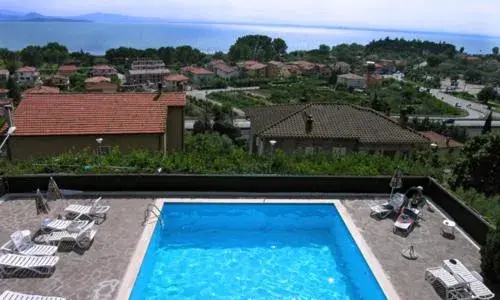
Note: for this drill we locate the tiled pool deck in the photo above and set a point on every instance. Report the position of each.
(96, 274)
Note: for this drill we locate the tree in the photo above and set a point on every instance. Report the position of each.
(32, 56)
(487, 124)
(77, 82)
(434, 60)
(256, 47)
(379, 104)
(462, 49)
(479, 166)
(472, 75)
(486, 94)
(279, 46)
(490, 255)
(55, 53)
(324, 49)
(201, 126)
(14, 91)
(115, 80)
(495, 50)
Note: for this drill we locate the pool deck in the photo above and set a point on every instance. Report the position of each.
(98, 272)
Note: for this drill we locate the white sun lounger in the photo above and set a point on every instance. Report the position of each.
(446, 285)
(82, 238)
(92, 210)
(10, 295)
(20, 243)
(11, 263)
(386, 209)
(478, 289)
(58, 224)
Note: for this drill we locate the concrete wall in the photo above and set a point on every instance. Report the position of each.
(175, 129)
(26, 147)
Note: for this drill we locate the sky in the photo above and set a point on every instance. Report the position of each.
(461, 16)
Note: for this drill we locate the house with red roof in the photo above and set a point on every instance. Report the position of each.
(101, 87)
(27, 75)
(197, 74)
(222, 70)
(67, 70)
(4, 93)
(103, 70)
(352, 81)
(50, 124)
(42, 89)
(252, 68)
(444, 144)
(176, 82)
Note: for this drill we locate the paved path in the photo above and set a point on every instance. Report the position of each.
(202, 95)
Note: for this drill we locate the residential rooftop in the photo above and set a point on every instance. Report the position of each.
(339, 121)
(176, 77)
(42, 89)
(149, 71)
(196, 71)
(97, 79)
(441, 140)
(80, 114)
(351, 76)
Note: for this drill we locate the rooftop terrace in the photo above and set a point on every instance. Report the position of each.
(97, 272)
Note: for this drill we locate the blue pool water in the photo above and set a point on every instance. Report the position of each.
(253, 251)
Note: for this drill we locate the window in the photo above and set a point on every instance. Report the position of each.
(103, 150)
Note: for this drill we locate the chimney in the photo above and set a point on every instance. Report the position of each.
(10, 116)
(309, 123)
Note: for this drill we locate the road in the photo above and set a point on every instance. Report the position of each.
(476, 111)
(202, 95)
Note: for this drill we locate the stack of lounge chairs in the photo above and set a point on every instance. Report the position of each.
(454, 281)
(23, 253)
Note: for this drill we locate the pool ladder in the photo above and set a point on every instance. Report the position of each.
(152, 211)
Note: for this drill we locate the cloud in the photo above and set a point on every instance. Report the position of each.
(477, 16)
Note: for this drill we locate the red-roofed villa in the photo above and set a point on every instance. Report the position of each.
(50, 124)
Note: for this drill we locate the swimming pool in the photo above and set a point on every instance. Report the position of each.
(253, 251)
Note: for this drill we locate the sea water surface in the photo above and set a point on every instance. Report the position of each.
(98, 37)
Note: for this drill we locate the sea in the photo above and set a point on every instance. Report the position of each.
(96, 38)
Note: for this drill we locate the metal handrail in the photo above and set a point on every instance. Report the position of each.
(153, 209)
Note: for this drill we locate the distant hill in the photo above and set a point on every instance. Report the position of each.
(11, 16)
(116, 18)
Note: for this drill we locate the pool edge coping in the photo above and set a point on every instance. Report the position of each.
(370, 258)
(135, 263)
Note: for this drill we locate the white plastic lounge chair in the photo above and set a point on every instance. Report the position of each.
(446, 285)
(20, 243)
(478, 289)
(405, 221)
(91, 210)
(10, 295)
(59, 224)
(11, 263)
(386, 209)
(83, 238)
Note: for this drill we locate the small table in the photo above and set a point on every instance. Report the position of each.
(448, 227)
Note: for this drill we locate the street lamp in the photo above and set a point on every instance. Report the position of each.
(99, 143)
(272, 143)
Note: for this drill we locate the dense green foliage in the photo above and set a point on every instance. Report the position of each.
(488, 93)
(52, 53)
(479, 166)
(182, 55)
(77, 81)
(487, 124)
(401, 48)
(463, 95)
(257, 47)
(490, 255)
(237, 99)
(215, 154)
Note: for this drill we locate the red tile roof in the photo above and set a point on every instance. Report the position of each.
(351, 76)
(4, 91)
(196, 71)
(81, 114)
(176, 77)
(99, 86)
(440, 140)
(69, 68)
(26, 69)
(42, 90)
(256, 66)
(4, 71)
(97, 79)
(102, 67)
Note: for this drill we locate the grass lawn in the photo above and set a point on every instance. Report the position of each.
(463, 95)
